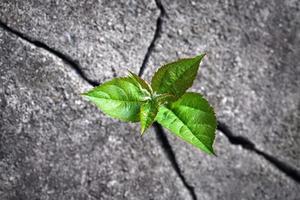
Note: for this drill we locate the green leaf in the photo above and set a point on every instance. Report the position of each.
(143, 84)
(164, 98)
(148, 114)
(120, 98)
(176, 77)
(192, 119)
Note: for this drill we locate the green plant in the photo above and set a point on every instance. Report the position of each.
(186, 114)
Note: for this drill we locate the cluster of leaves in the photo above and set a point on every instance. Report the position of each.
(186, 114)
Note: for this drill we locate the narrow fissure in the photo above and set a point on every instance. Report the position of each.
(65, 58)
(235, 140)
(156, 36)
(247, 144)
(162, 138)
(160, 134)
(77, 68)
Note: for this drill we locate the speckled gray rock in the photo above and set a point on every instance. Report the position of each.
(251, 71)
(105, 37)
(233, 174)
(55, 145)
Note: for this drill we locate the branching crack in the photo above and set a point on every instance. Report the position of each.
(162, 138)
(77, 68)
(247, 144)
(235, 140)
(160, 134)
(156, 36)
(65, 58)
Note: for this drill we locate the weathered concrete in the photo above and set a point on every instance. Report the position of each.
(251, 71)
(106, 37)
(234, 173)
(55, 145)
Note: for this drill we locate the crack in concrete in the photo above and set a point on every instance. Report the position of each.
(160, 134)
(76, 66)
(164, 142)
(156, 36)
(235, 140)
(65, 58)
(247, 144)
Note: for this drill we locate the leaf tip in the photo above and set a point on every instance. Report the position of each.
(84, 94)
(201, 56)
(130, 72)
(214, 153)
(143, 131)
(209, 151)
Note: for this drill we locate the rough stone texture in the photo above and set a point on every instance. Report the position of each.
(251, 71)
(105, 37)
(55, 145)
(233, 174)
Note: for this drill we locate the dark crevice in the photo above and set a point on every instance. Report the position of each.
(162, 138)
(247, 144)
(65, 58)
(160, 134)
(75, 65)
(156, 36)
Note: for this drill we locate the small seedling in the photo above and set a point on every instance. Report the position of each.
(186, 114)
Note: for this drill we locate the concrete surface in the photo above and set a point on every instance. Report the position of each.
(251, 71)
(105, 37)
(56, 145)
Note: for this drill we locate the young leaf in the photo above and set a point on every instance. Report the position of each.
(143, 84)
(192, 119)
(165, 98)
(120, 98)
(148, 114)
(187, 115)
(175, 78)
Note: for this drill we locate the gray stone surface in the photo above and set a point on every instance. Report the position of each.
(233, 174)
(105, 37)
(55, 145)
(251, 71)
